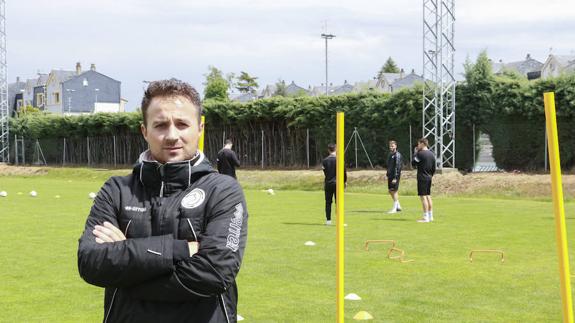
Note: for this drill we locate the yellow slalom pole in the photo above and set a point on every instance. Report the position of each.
(201, 142)
(340, 163)
(558, 208)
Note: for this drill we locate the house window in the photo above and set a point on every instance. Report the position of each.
(40, 99)
(57, 98)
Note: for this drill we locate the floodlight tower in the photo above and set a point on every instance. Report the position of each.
(4, 112)
(439, 79)
(326, 37)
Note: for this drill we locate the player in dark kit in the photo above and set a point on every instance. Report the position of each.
(329, 170)
(394, 163)
(227, 160)
(424, 160)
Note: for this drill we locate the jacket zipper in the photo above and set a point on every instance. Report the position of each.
(225, 310)
(111, 304)
(193, 232)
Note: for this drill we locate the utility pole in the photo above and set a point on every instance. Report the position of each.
(326, 37)
(4, 109)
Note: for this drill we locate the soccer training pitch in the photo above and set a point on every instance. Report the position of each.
(283, 280)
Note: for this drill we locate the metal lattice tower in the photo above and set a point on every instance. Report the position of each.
(439, 89)
(4, 112)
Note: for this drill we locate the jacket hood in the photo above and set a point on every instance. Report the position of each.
(164, 179)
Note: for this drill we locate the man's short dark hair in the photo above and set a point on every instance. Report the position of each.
(170, 88)
(228, 142)
(392, 142)
(331, 148)
(424, 141)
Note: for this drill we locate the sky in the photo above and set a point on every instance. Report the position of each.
(139, 40)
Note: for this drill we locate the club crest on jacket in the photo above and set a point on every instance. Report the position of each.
(194, 199)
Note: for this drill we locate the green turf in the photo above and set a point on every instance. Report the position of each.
(284, 281)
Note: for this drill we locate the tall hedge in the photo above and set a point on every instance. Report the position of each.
(508, 108)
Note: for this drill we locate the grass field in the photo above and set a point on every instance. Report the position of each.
(284, 281)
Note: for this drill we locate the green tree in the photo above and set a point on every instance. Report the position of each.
(388, 67)
(28, 110)
(478, 89)
(216, 86)
(280, 88)
(246, 83)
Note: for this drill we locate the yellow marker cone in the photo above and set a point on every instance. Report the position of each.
(362, 315)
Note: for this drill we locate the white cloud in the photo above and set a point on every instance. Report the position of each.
(133, 40)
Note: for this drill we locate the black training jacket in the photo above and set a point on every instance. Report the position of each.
(150, 277)
(394, 164)
(329, 166)
(227, 162)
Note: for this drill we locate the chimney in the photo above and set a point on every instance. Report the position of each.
(17, 79)
(93, 67)
(528, 56)
(413, 71)
(401, 73)
(78, 68)
(330, 84)
(345, 82)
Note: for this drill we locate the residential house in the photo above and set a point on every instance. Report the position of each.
(529, 67)
(53, 100)
(321, 89)
(295, 90)
(406, 81)
(385, 80)
(245, 97)
(342, 89)
(15, 96)
(367, 86)
(268, 91)
(40, 92)
(556, 65)
(28, 94)
(82, 92)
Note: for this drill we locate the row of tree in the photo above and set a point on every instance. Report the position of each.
(217, 85)
(507, 107)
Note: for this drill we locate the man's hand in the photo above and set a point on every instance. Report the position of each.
(108, 233)
(193, 246)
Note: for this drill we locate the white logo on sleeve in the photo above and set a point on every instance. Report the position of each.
(194, 199)
(233, 241)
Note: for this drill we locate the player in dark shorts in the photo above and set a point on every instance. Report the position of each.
(424, 160)
(329, 170)
(394, 163)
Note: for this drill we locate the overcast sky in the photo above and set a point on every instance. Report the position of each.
(136, 40)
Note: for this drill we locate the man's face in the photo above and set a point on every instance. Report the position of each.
(420, 146)
(172, 129)
(392, 147)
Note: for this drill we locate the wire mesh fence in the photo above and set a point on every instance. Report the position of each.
(504, 145)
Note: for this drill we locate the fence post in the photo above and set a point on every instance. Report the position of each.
(88, 149)
(16, 148)
(410, 147)
(473, 164)
(262, 149)
(545, 154)
(114, 137)
(64, 153)
(307, 146)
